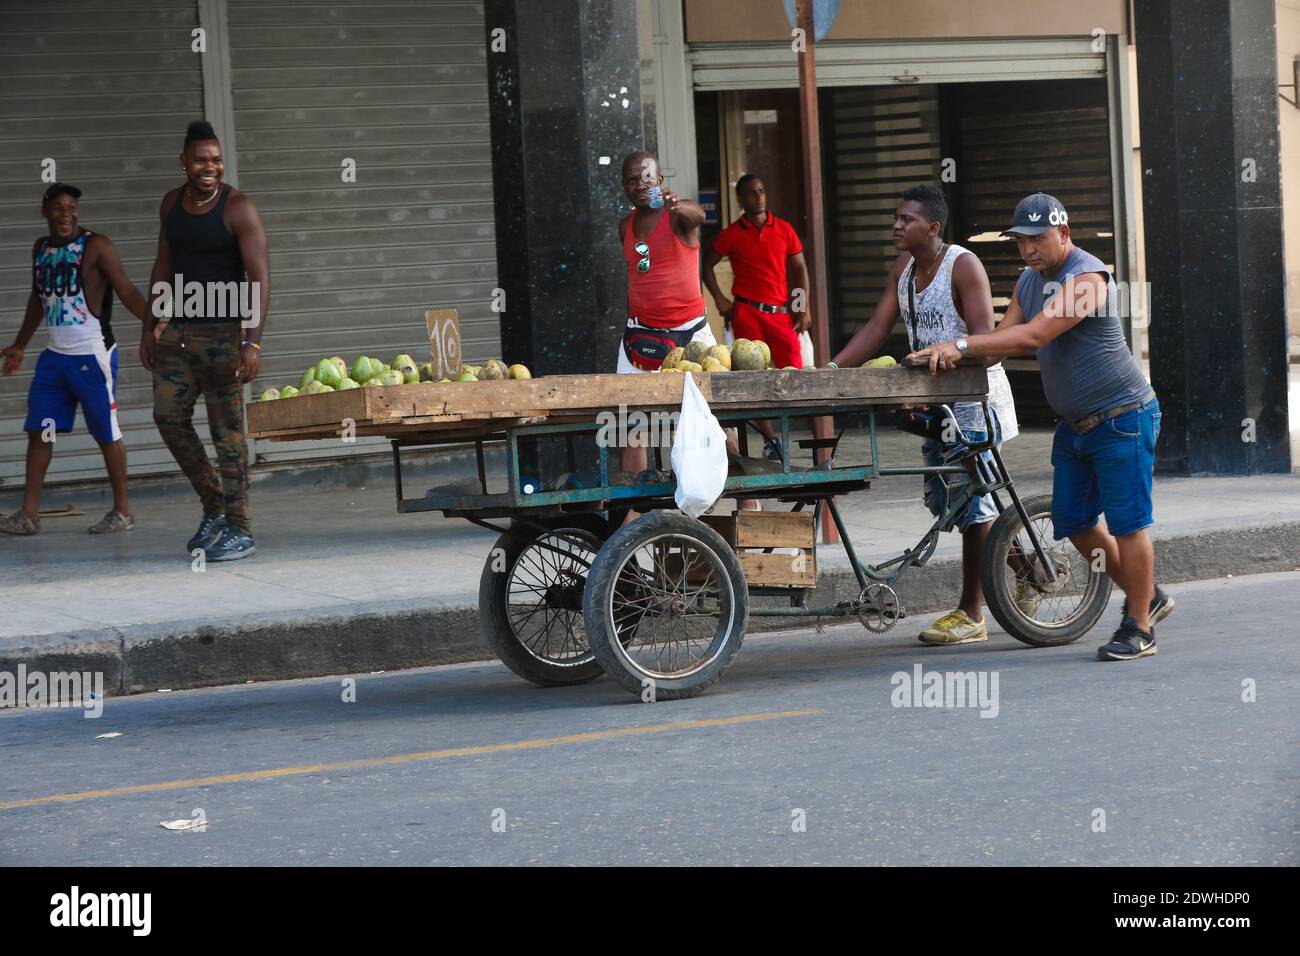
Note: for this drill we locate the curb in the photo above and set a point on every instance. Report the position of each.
(397, 635)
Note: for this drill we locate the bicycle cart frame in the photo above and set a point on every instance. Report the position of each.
(800, 486)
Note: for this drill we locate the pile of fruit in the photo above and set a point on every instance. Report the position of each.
(743, 355)
(333, 375)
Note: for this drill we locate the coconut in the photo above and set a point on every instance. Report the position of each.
(467, 376)
(308, 377)
(348, 383)
(722, 354)
(343, 366)
(520, 371)
(883, 361)
(767, 354)
(710, 364)
(673, 357)
(746, 356)
(327, 373)
(696, 350)
(270, 395)
(392, 377)
(689, 367)
(364, 369)
(494, 370)
(317, 387)
(289, 391)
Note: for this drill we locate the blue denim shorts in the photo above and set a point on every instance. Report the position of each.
(1107, 471)
(978, 510)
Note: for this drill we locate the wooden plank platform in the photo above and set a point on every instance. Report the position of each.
(402, 410)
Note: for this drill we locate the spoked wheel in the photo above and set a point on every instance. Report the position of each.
(530, 600)
(666, 606)
(1032, 608)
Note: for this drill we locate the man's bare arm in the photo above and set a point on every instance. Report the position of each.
(246, 224)
(162, 267)
(707, 265)
(13, 354)
(1080, 297)
(798, 265)
(110, 267)
(974, 295)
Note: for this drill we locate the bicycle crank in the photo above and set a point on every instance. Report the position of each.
(879, 608)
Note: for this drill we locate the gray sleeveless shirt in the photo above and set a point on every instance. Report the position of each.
(938, 321)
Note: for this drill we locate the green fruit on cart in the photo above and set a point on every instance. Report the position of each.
(348, 383)
(327, 373)
(270, 395)
(315, 388)
(289, 391)
(363, 370)
(308, 377)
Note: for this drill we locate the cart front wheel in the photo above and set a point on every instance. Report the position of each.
(666, 607)
(1032, 608)
(530, 600)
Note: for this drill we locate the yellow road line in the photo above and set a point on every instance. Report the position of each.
(409, 758)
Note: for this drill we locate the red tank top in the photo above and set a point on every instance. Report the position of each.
(668, 294)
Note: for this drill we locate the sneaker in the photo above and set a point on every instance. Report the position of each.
(19, 523)
(1027, 598)
(112, 522)
(955, 627)
(1128, 644)
(1161, 606)
(772, 450)
(209, 529)
(230, 546)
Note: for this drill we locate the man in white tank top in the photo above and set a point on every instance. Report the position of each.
(940, 291)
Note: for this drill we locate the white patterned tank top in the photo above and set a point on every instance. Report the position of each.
(938, 320)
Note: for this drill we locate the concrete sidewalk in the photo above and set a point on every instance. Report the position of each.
(341, 582)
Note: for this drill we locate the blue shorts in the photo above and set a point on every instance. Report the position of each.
(978, 510)
(1107, 471)
(62, 382)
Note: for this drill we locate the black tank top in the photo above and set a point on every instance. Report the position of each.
(203, 249)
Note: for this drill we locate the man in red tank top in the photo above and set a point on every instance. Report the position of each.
(661, 245)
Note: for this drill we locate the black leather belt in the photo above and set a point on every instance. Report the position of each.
(761, 306)
(1088, 423)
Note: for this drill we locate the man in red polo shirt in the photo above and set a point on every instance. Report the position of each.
(764, 251)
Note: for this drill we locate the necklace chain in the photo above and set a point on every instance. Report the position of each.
(202, 202)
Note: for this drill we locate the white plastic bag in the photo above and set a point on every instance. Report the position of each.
(806, 349)
(699, 453)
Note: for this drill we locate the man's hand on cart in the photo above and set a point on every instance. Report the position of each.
(943, 355)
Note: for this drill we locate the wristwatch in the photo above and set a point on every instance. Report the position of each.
(962, 346)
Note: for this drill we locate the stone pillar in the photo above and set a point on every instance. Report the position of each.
(564, 90)
(1212, 216)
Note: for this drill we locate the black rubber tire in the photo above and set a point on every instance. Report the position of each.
(999, 586)
(494, 617)
(597, 607)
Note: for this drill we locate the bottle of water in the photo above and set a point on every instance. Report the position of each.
(656, 197)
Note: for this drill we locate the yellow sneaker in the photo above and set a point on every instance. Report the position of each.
(1027, 598)
(955, 627)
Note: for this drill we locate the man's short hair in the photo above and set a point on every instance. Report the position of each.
(198, 130)
(743, 181)
(932, 203)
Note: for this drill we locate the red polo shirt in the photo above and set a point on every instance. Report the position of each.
(758, 258)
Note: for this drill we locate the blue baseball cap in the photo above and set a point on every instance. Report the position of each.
(1036, 214)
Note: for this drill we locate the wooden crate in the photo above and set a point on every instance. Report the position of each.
(750, 532)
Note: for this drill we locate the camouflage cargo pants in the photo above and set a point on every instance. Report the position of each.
(193, 359)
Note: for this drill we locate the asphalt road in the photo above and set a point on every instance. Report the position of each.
(797, 757)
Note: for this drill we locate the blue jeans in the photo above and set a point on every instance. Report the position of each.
(978, 510)
(1107, 471)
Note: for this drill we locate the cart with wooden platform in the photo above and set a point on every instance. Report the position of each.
(660, 603)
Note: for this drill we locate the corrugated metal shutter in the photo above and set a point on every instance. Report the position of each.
(106, 93)
(740, 66)
(879, 141)
(1053, 137)
(401, 88)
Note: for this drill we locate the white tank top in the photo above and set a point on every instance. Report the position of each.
(58, 281)
(938, 320)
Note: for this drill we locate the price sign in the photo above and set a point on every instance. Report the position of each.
(444, 342)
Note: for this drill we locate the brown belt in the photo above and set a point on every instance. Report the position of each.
(1088, 423)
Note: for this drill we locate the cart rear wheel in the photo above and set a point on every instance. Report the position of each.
(666, 606)
(1031, 608)
(530, 600)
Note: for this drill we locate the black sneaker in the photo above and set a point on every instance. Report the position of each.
(1128, 644)
(772, 450)
(231, 546)
(1161, 606)
(209, 529)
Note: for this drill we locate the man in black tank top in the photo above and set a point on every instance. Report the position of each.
(211, 279)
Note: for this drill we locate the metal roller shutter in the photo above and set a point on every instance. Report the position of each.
(879, 141)
(106, 93)
(401, 88)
